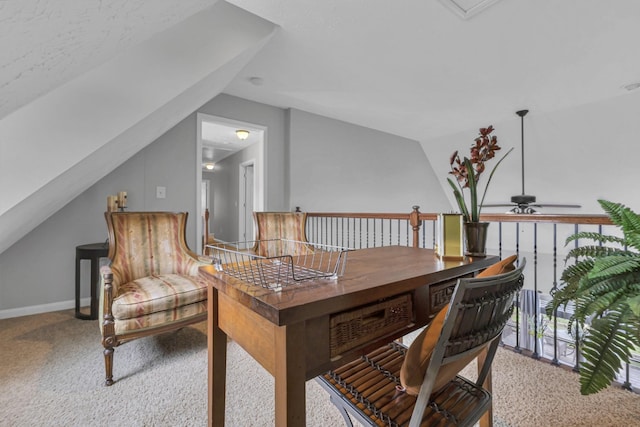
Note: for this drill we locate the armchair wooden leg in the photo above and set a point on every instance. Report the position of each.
(108, 365)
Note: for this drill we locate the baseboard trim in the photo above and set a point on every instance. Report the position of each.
(42, 308)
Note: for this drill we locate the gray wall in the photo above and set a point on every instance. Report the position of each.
(573, 155)
(274, 150)
(226, 180)
(341, 167)
(39, 270)
(360, 169)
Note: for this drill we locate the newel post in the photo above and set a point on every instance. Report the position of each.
(414, 220)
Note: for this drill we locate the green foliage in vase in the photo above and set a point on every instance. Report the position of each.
(468, 171)
(604, 284)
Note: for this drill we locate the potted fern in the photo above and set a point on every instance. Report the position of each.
(604, 284)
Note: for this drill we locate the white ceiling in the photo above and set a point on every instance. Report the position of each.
(412, 68)
(415, 69)
(219, 140)
(47, 43)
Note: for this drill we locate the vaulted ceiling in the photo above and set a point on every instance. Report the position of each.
(415, 69)
(86, 84)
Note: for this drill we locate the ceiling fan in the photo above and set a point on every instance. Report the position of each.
(524, 203)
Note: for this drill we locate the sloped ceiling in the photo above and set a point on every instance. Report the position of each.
(411, 68)
(416, 69)
(66, 135)
(46, 43)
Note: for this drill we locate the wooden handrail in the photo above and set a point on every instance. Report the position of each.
(548, 218)
(490, 217)
(415, 219)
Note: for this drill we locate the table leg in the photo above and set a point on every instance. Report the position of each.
(290, 376)
(78, 314)
(487, 418)
(217, 366)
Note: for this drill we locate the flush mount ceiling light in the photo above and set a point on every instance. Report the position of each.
(242, 134)
(467, 8)
(209, 166)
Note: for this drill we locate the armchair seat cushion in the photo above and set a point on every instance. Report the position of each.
(122, 327)
(157, 293)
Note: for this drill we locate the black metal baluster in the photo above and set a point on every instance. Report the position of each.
(553, 289)
(536, 301)
(500, 240)
(627, 384)
(576, 367)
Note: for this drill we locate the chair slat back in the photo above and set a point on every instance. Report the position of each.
(148, 243)
(478, 312)
(480, 308)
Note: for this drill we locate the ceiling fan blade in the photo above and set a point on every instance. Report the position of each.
(498, 205)
(556, 205)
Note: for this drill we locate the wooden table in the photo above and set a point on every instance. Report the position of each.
(288, 331)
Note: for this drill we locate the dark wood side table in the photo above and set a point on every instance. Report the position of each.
(93, 252)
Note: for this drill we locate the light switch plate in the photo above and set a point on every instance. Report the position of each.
(161, 192)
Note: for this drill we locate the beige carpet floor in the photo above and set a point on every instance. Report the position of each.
(51, 374)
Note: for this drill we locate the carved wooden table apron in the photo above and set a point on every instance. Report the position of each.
(288, 331)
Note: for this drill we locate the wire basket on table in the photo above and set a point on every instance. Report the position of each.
(276, 263)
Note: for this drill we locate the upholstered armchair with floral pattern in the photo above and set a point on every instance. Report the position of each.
(280, 225)
(152, 285)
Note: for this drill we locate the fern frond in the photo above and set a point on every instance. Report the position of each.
(633, 241)
(597, 237)
(613, 265)
(596, 251)
(599, 304)
(613, 210)
(577, 271)
(626, 219)
(629, 283)
(634, 304)
(607, 347)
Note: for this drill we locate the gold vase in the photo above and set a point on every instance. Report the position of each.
(475, 237)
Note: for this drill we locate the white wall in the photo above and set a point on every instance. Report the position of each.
(340, 167)
(572, 156)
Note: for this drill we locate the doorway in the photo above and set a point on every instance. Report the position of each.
(246, 197)
(232, 196)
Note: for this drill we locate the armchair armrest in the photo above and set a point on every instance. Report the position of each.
(106, 301)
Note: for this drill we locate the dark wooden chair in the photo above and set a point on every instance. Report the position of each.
(372, 389)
